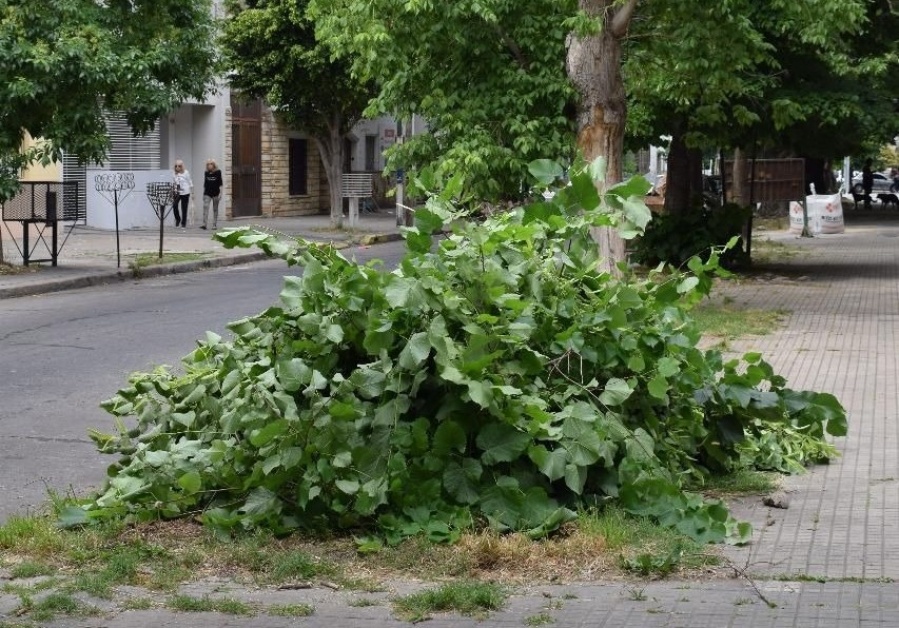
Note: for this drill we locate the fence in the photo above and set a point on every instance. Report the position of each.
(45, 201)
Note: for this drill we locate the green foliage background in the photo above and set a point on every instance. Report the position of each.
(65, 63)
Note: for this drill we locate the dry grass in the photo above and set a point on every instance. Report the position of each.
(11, 269)
(161, 556)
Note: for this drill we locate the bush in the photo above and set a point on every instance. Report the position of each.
(498, 377)
(675, 238)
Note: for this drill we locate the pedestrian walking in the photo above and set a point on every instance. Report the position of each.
(184, 186)
(868, 182)
(212, 193)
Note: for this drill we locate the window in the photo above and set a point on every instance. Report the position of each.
(299, 167)
(371, 142)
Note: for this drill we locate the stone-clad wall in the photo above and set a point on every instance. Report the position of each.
(276, 199)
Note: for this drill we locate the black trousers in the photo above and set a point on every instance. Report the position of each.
(181, 217)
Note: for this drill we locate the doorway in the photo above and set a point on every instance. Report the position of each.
(246, 157)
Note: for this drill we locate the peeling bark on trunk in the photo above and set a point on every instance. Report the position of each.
(330, 148)
(594, 66)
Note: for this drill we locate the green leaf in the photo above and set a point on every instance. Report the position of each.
(480, 392)
(616, 392)
(668, 367)
(350, 487)
(415, 352)
(501, 443)
(687, 285)
(190, 482)
(551, 463)
(575, 478)
(72, 517)
(261, 502)
(658, 387)
(545, 171)
(293, 374)
(461, 481)
(427, 221)
(369, 382)
(449, 437)
(342, 460)
(267, 434)
(539, 212)
(397, 292)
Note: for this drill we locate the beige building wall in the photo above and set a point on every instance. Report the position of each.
(276, 198)
(37, 172)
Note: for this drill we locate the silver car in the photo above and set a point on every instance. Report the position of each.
(883, 184)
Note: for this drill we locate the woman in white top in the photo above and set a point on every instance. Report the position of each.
(183, 188)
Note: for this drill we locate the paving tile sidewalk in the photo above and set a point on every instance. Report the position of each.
(89, 255)
(836, 542)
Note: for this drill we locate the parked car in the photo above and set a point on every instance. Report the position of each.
(883, 184)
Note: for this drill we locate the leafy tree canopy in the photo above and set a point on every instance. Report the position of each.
(488, 76)
(64, 63)
(793, 76)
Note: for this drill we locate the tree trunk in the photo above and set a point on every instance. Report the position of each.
(683, 185)
(594, 66)
(740, 193)
(330, 148)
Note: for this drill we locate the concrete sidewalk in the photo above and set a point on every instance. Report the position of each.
(830, 560)
(88, 256)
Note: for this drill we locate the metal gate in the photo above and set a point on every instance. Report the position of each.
(246, 157)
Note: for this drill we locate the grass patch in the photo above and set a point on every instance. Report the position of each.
(472, 599)
(206, 604)
(598, 544)
(137, 604)
(54, 605)
(723, 320)
(363, 602)
(540, 619)
(742, 482)
(765, 251)
(12, 269)
(142, 260)
(291, 610)
(31, 570)
(165, 555)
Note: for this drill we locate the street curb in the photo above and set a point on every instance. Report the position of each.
(118, 275)
(380, 238)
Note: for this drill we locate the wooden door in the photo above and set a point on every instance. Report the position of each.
(246, 157)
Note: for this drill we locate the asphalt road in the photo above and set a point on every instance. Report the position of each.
(62, 354)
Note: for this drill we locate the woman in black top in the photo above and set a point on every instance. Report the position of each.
(212, 192)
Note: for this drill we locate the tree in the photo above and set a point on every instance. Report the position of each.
(710, 74)
(487, 76)
(748, 75)
(64, 64)
(594, 66)
(272, 52)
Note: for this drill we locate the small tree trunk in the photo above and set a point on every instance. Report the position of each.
(677, 181)
(740, 193)
(683, 189)
(330, 149)
(594, 66)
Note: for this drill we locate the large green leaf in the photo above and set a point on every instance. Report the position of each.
(416, 351)
(462, 480)
(501, 443)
